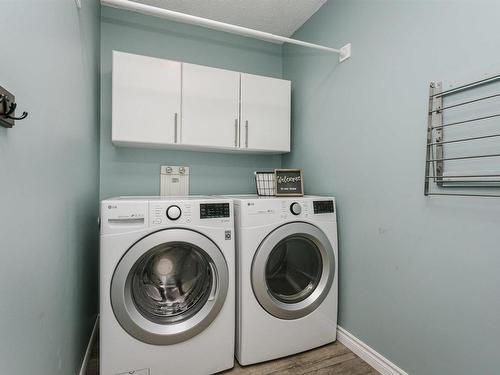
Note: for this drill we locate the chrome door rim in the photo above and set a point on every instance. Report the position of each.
(258, 273)
(147, 331)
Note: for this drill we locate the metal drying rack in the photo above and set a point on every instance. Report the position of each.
(442, 177)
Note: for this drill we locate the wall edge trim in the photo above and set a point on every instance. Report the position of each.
(88, 352)
(368, 354)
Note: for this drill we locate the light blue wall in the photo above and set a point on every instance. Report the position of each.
(133, 171)
(49, 171)
(419, 277)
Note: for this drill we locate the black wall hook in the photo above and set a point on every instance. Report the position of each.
(8, 107)
(11, 110)
(22, 117)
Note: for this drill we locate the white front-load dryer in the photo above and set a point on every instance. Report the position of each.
(166, 286)
(286, 250)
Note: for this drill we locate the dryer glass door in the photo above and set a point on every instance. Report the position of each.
(169, 286)
(293, 270)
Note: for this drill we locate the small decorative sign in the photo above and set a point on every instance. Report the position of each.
(289, 182)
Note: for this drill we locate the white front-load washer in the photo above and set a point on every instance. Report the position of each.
(286, 251)
(166, 286)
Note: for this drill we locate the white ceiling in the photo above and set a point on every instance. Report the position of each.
(281, 17)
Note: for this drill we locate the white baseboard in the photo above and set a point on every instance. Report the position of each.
(88, 352)
(368, 354)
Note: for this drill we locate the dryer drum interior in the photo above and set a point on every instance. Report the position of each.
(293, 269)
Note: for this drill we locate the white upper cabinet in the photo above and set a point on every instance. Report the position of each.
(163, 103)
(265, 113)
(210, 106)
(146, 100)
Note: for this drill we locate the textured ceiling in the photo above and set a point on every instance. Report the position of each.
(281, 17)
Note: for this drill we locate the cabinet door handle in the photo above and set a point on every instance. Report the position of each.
(236, 133)
(175, 127)
(246, 133)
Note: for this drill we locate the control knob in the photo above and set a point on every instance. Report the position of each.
(295, 208)
(174, 212)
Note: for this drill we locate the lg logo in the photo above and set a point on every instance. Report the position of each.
(111, 206)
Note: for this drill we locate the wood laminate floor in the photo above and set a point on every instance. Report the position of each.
(329, 359)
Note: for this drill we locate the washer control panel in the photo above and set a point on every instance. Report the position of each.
(190, 212)
(214, 210)
(127, 214)
(169, 213)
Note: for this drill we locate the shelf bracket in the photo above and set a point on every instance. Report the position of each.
(345, 52)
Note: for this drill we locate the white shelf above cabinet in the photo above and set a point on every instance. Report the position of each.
(160, 103)
(344, 52)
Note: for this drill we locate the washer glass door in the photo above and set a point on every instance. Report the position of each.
(293, 270)
(171, 282)
(169, 286)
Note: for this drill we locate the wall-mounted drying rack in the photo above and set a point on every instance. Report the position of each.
(344, 52)
(467, 161)
(8, 107)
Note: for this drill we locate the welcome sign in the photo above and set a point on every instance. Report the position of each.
(289, 182)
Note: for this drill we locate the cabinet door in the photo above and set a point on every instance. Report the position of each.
(210, 106)
(265, 113)
(146, 99)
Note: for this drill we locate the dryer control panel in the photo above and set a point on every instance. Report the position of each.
(257, 211)
(323, 207)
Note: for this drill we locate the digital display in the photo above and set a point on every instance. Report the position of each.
(323, 207)
(214, 210)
